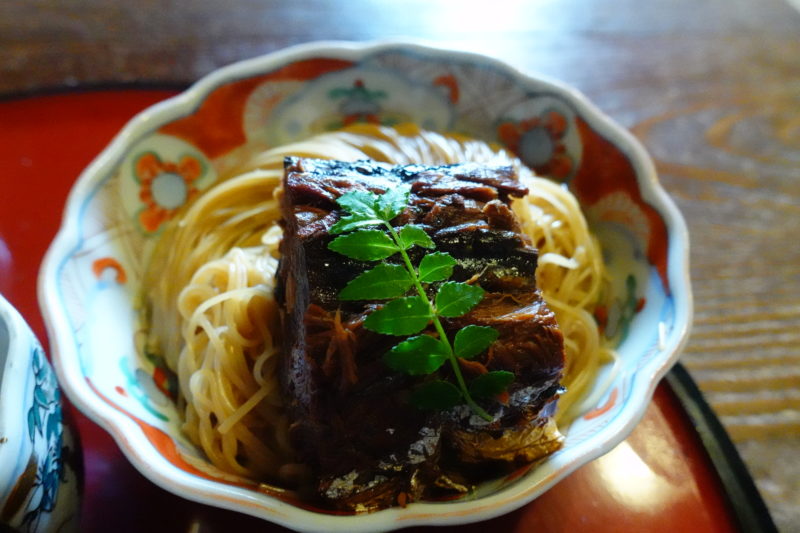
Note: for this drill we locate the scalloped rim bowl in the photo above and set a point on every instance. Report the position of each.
(88, 283)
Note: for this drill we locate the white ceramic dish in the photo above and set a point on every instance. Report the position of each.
(39, 465)
(89, 282)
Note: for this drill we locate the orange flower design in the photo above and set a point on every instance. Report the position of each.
(165, 187)
(539, 143)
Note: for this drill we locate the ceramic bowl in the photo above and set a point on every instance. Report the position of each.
(90, 280)
(39, 464)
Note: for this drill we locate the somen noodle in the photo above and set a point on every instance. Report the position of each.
(210, 289)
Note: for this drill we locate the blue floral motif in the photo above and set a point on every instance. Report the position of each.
(625, 310)
(46, 433)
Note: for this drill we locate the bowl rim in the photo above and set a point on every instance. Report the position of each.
(17, 343)
(127, 434)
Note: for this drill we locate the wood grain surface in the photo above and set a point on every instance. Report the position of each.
(712, 88)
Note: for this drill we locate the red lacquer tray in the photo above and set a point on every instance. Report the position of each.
(676, 472)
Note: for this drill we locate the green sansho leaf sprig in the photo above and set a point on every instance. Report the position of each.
(365, 233)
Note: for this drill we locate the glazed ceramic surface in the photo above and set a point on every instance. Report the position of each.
(90, 281)
(38, 479)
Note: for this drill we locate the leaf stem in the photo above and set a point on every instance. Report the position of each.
(477, 409)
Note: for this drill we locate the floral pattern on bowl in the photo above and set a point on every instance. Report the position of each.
(89, 284)
(39, 465)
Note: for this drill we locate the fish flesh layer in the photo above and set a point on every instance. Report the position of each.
(351, 421)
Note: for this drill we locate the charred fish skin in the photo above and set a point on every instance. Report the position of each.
(351, 421)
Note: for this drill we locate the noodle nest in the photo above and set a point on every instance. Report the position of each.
(211, 279)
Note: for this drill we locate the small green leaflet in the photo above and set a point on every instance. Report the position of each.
(437, 266)
(489, 385)
(417, 355)
(351, 222)
(382, 282)
(473, 340)
(392, 202)
(420, 354)
(364, 245)
(404, 316)
(411, 235)
(455, 299)
(359, 203)
(436, 395)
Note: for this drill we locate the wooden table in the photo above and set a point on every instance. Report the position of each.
(712, 88)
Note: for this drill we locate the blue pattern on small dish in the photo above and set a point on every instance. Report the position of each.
(39, 465)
